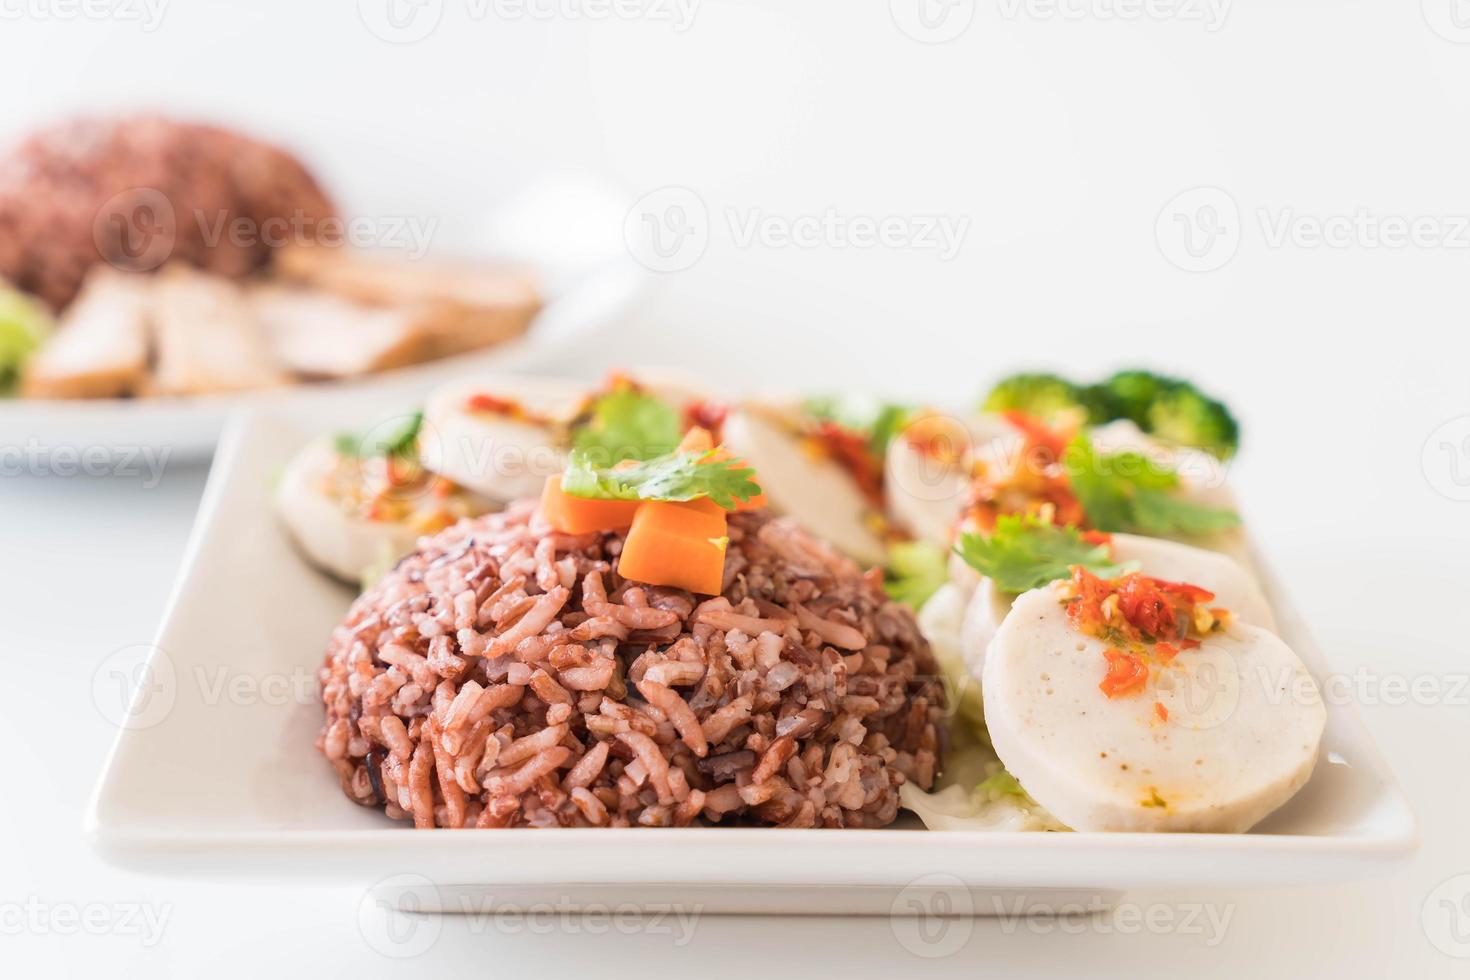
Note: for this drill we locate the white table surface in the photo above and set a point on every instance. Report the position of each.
(1061, 140)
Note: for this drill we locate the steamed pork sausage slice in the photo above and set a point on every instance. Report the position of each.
(1234, 586)
(811, 488)
(1212, 740)
(350, 515)
(926, 471)
(501, 436)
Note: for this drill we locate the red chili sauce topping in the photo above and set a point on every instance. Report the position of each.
(1144, 621)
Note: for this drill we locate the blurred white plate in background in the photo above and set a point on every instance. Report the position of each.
(589, 287)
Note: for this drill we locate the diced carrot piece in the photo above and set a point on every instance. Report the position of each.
(679, 544)
(583, 515)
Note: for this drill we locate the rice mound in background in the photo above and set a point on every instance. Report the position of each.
(136, 191)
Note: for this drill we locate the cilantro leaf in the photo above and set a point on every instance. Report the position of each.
(878, 421)
(1127, 491)
(1024, 553)
(399, 440)
(916, 570)
(627, 424)
(1159, 513)
(672, 476)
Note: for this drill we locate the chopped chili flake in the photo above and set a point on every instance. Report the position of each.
(492, 404)
(1126, 674)
(1160, 711)
(1038, 433)
(1030, 482)
(937, 438)
(1142, 619)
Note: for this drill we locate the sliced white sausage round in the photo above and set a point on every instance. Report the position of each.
(815, 491)
(1234, 586)
(926, 471)
(1219, 737)
(499, 436)
(346, 525)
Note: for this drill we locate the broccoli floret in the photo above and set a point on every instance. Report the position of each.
(1044, 396)
(1130, 394)
(1171, 409)
(24, 323)
(1185, 415)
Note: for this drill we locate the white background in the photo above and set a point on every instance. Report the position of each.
(1060, 139)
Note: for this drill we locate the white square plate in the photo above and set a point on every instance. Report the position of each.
(215, 772)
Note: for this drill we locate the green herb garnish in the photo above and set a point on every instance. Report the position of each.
(627, 424)
(400, 440)
(1127, 491)
(1024, 553)
(916, 570)
(672, 476)
(24, 323)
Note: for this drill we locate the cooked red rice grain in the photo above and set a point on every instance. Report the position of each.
(504, 675)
